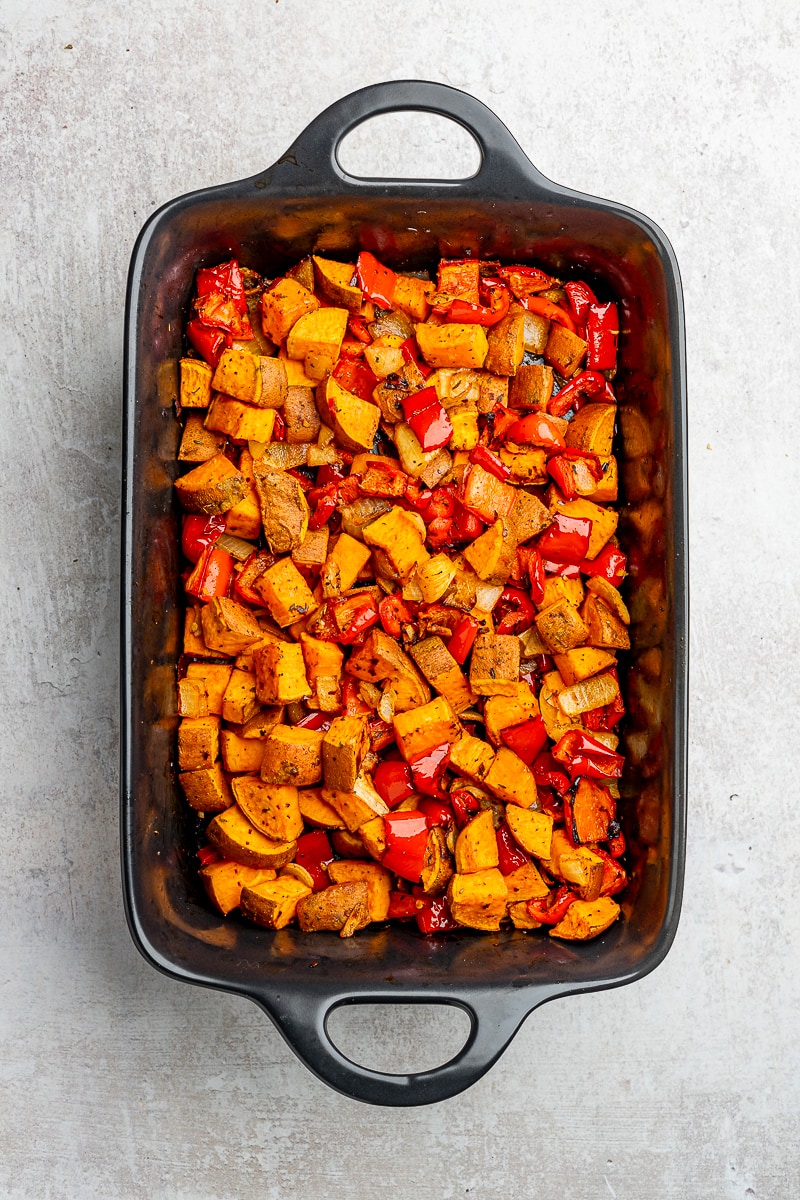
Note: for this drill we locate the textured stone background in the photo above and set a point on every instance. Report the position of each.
(116, 1082)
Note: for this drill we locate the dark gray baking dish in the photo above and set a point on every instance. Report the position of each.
(507, 210)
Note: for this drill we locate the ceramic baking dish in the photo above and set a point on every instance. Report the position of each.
(306, 203)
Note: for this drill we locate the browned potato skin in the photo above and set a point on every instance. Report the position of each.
(343, 908)
(234, 837)
(343, 750)
(284, 510)
(300, 414)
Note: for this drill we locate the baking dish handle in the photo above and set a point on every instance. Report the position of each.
(495, 1016)
(311, 163)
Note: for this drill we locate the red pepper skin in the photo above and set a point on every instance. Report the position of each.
(546, 308)
(515, 610)
(207, 342)
(584, 755)
(466, 525)
(536, 575)
(588, 383)
(376, 281)
(427, 770)
(527, 740)
(406, 839)
(550, 909)
(363, 619)
(610, 564)
(536, 429)
(225, 278)
(418, 498)
(356, 377)
(212, 574)
(465, 805)
(394, 613)
(359, 329)
(314, 720)
(352, 703)
(436, 812)
(602, 331)
(463, 639)
(393, 782)
(547, 772)
(580, 296)
(616, 845)
(428, 418)
(615, 877)
(511, 858)
(566, 539)
(526, 281)
(410, 352)
(464, 313)
(325, 506)
(608, 716)
(490, 462)
(435, 916)
(402, 906)
(199, 531)
(314, 853)
(559, 471)
(207, 855)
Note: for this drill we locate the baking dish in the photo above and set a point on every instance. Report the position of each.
(306, 203)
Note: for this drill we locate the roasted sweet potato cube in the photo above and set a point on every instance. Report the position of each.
(376, 877)
(240, 701)
(586, 919)
(501, 712)
(198, 742)
(470, 756)
(399, 536)
(557, 587)
(527, 517)
(564, 350)
(274, 902)
(604, 626)
(495, 664)
(280, 673)
(373, 836)
(610, 596)
(335, 282)
(582, 662)
(343, 565)
(300, 414)
(238, 374)
(576, 865)
(510, 779)
(493, 391)
(412, 296)
(240, 420)
(520, 917)
(282, 305)
(317, 338)
(525, 883)
(526, 466)
(604, 522)
(492, 555)
(443, 672)
(452, 345)
(240, 755)
(213, 487)
(195, 383)
(593, 428)
(561, 627)
(593, 808)
(532, 830)
(355, 421)
(425, 727)
(324, 669)
(284, 510)
(244, 519)
(343, 907)
(274, 383)
(581, 697)
(292, 755)
(229, 627)
(192, 698)
(486, 495)
(343, 749)
(272, 808)
(461, 278)
(316, 811)
(313, 550)
(224, 881)
(285, 593)
(506, 345)
(199, 444)
(478, 900)
(206, 790)
(476, 845)
(214, 678)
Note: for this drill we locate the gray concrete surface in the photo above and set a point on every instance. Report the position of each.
(116, 1082)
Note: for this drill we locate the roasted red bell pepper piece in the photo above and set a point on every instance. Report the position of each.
(588, 383)
(376, 281)
(225, 278)
(610, 564)
(221, 301)
(364, 617)
(212, 574)
(356, 377)
(466, 525)
(526, 281)
(482, 457)
(562, 474)
(402, 906)
(616, 844)
(565, 570)
(394, 613)
(615, 877)
(359, 329)
(352, 703)
(546, 308)
(514, 611)
(528, 739)
(580, 296)
(410, 352)
(441, 505)
(602, 331)
(536, 429)
(548, 773)
(435, 917)
(436, 811)
(207, 855)
(199, 531)
(550, 909)
(534, 566)
(607, 716)
(314, 853)
(463, 638)
(511, 858)
(566, 539)
(406, 838)
(208, 342)
(427, 770)
(499, 302)
(465, 805)
(584, 755)
(325, 500)
(428, 418)
(314, 720)
(393, 781)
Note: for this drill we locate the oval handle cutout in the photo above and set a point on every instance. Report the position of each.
(399, 1039)
(409, 145)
